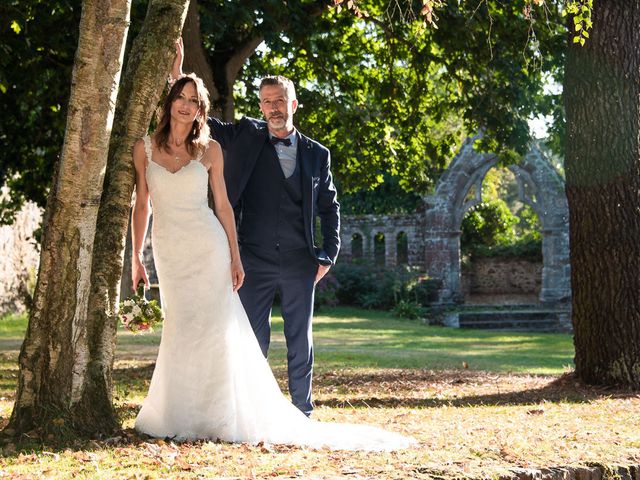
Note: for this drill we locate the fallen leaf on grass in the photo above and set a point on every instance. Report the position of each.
(350, 471)
(151, 448)
(183, 464)
(150, 461)
(83, 456)
(93, 445)
(53, 455)
(24, 458)
(113, 441)
(535, 411)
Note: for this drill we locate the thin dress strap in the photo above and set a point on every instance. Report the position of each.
(201, 156)
(147, 149)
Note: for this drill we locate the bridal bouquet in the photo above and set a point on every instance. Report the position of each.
(137, 314)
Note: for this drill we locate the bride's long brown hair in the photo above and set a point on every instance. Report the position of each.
(198, 138)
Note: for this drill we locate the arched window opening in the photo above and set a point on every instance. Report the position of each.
(402, 248)
(356, 246)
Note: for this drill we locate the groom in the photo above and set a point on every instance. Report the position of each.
(280, 181)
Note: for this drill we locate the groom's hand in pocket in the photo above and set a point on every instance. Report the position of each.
(322, 271)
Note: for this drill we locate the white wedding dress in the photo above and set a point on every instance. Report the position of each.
(211, 380)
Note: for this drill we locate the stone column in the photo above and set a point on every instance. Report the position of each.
(390, 250)
(442, 259)
(556, 270)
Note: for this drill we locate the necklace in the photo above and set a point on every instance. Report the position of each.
(176, 156)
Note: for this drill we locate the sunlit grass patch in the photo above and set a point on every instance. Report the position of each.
(513, 405)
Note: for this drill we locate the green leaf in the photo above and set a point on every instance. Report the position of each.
(578, 27)
(582, 41)
(15, 26)
(576, 39)
(3, 88)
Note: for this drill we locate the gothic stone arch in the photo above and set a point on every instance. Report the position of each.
(539, 185)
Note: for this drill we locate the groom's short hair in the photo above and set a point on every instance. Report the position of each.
(282, 81)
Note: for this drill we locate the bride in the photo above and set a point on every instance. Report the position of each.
(211, 380)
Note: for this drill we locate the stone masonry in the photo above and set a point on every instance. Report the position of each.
(430, 238)
(434, 236)
(19, 258)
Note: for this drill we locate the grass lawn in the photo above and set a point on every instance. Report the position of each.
(480, 404)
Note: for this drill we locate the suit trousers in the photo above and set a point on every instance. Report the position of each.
(291, 274)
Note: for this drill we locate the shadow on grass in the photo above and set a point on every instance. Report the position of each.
(462, 384)
(566, 389)
(399, 388)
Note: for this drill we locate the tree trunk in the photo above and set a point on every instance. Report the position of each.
(56, 352)
(142, 85)
(219, 71)
(602, 100)
(195, 58)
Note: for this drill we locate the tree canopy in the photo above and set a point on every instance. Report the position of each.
(390, 96)
(36, 58)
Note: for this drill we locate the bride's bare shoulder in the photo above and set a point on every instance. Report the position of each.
(213, 154)
(214, 147)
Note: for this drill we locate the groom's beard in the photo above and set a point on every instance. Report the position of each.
(277, 122)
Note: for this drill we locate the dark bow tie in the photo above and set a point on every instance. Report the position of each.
(285, 141)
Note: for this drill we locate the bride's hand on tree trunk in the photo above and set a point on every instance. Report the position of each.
(176, 68)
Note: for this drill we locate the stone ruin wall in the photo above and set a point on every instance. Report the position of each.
(480, 276)
(501, 276)
(368, 226)
(19, 258)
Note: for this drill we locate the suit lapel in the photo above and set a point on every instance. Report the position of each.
(306, 161)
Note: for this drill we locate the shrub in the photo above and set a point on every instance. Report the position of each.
(408, 309)
(488, 223)
(373, 286)
(490, 230)
(326, 291)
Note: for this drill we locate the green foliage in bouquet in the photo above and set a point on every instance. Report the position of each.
(137, 314)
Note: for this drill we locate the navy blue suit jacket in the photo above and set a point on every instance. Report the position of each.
(242, 144)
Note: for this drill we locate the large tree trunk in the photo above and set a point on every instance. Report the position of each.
(602, 99)
(140, 92)
(56, 351)
(195, 58)
(219, 70)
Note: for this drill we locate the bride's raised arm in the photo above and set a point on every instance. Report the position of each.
(223, 209)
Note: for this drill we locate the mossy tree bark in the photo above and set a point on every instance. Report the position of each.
(145, 77)
(56, 351)
(602, 100)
